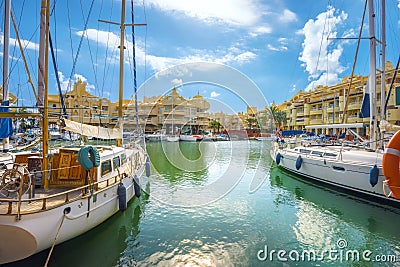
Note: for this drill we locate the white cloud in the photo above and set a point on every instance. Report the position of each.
(237, 12)
(177, 81)
(260, 30)
(277, 48)
(157, 63)
(281, 47)
(67, 83)
(288, 16)
(293, 89)
(214, 94)
(318, 53)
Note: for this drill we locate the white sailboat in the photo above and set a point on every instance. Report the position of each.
(357, 170)
(41, 206)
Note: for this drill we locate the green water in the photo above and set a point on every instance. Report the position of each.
(226, 204)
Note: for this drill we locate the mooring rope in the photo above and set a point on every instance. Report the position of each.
(55, 240)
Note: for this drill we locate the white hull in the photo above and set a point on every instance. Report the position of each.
(172, 138)
(349, 169)
(37, 230)
(190, 138)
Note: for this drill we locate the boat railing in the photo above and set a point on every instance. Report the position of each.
(22, 206)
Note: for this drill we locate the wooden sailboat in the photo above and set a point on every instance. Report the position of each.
(50, 197)
(357, 170)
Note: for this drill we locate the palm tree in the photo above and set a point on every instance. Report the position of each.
(214, 124)
(279, 116)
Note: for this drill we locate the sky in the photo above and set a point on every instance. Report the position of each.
(236, 53)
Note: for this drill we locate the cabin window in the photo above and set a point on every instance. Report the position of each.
(123, 158)
(116, 162)
(105, 167)
(330, 155)
(317, 153)
(305, 151)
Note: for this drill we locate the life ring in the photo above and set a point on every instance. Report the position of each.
(88, 157)
(390, 165)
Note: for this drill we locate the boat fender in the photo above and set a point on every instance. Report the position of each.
(278, 158)
(299, 161)
(88, 157)
(373, 175)
(136, 186)
(147, 167)
(121, 191)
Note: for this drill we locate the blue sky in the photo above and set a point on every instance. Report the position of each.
(275, 44)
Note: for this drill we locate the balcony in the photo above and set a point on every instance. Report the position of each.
(315, 121)
(354, 106)
(315, 111)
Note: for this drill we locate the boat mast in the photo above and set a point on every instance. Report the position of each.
(7, 10)
(372, 75)
(121, 61)
(383, 74)
(42, 101)
(121, 68)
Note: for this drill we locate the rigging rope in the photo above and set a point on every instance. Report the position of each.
(80, 45)
(391, 84)
(354, 65)
(134, 67)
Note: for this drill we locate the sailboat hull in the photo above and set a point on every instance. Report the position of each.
(339, 169)
(38, 230)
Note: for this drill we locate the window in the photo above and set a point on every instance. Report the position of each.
(105, 167)
(317, 153)
(330, 155)
(123, 158)
(116, 162)
(305, 151)
(54, 105)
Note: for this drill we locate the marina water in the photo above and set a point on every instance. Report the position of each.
(262, 216)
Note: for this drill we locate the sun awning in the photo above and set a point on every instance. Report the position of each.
(92, 131)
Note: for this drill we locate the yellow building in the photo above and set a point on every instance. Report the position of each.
(173, 113)
(326, 104)
(170, 113)
(228, 121)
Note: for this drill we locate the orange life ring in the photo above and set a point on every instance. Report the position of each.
(391, 165)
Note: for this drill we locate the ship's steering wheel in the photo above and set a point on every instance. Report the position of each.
(15, 180)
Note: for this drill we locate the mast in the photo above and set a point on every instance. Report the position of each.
(383, 59)
(42, 101)
(5, 100)
(121, 68)
(121, 61)
(372, 75)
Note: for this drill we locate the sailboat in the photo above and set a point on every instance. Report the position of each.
(355, 170)
(50, 197)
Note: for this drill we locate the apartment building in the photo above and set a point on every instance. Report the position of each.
(328, 104)
(170, 113)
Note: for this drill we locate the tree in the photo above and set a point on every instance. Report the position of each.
(214, 124)
(279, 116)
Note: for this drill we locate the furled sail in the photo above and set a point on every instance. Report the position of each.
(92, 131)
(5, 123)
(365, 106)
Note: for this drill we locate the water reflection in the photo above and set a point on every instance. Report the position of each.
(325, 216)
